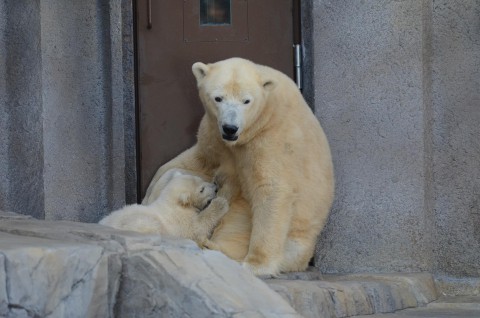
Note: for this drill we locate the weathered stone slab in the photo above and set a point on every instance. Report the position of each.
(448, 307)
(400, 290)
(3, 288)
(173, 282)
(12, 215)
(351, 295)
(47, 278)
(137, 275)
(151, 276)
(429, 313)
(457, 286)
(457, 302)
(325, 299)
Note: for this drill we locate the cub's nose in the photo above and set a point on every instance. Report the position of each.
(229, 130)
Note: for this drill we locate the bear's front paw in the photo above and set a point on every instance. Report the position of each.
(260, 271)
(219, 204)
(207, 244)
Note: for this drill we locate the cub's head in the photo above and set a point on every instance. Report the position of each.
(234, 93)
(190, 190)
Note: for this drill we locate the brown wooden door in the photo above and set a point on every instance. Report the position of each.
(171, 36)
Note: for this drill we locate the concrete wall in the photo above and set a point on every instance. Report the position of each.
(456, 135)
(68, 93)
(23, 105)
(369, 96)
(397, 91)
(3, 105)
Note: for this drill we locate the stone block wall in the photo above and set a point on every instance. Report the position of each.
(397, 91)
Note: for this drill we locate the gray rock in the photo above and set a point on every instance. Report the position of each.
(396, 90)
(457, 302)
(3, 288)
(455, 286)
(458, 307)
(369, 93)
(456, 114)
(55, 279)
(351, 295)
(67, 108)
(13, 215)
(70, 269)
(176, 282)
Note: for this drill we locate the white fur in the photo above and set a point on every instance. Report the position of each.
(180, 210)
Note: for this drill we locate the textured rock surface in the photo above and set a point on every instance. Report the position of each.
(47, 278)
(351, 295)
(188, 282)
(68, 269)
(23, 173)
(370, 100)
(454, 286)
(4, 186)
(66, 108)
(456, 307)
(456, 102)
(396, 89)
(395, 85)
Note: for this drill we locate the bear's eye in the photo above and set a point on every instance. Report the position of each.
(247, 101)
(218, 99)
(201, 190)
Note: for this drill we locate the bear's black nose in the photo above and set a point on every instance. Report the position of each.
(229, 130)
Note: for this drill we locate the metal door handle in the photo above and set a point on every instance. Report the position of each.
(298, 65)
(149, 14)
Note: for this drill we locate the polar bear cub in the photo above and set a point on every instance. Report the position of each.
(187, 207)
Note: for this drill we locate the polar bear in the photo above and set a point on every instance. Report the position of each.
(260, 137)
(186, 206)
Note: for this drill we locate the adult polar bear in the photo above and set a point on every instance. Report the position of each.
(259, 135)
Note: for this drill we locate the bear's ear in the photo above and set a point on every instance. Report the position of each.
(200, 70)
(269, 84)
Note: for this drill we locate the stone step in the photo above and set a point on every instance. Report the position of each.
(353, 295)
(72, 269)
(457, 302)
(451, 307)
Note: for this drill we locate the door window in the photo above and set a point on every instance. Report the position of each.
(215, 12)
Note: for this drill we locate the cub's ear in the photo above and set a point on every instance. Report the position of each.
(269, 84)
(200, 70)
(185, 200)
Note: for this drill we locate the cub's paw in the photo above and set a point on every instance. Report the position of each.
(207, 244)
(219, 204)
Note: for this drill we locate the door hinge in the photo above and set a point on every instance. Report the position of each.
(298, 65)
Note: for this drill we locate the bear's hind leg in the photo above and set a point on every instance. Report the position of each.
(298, 253)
